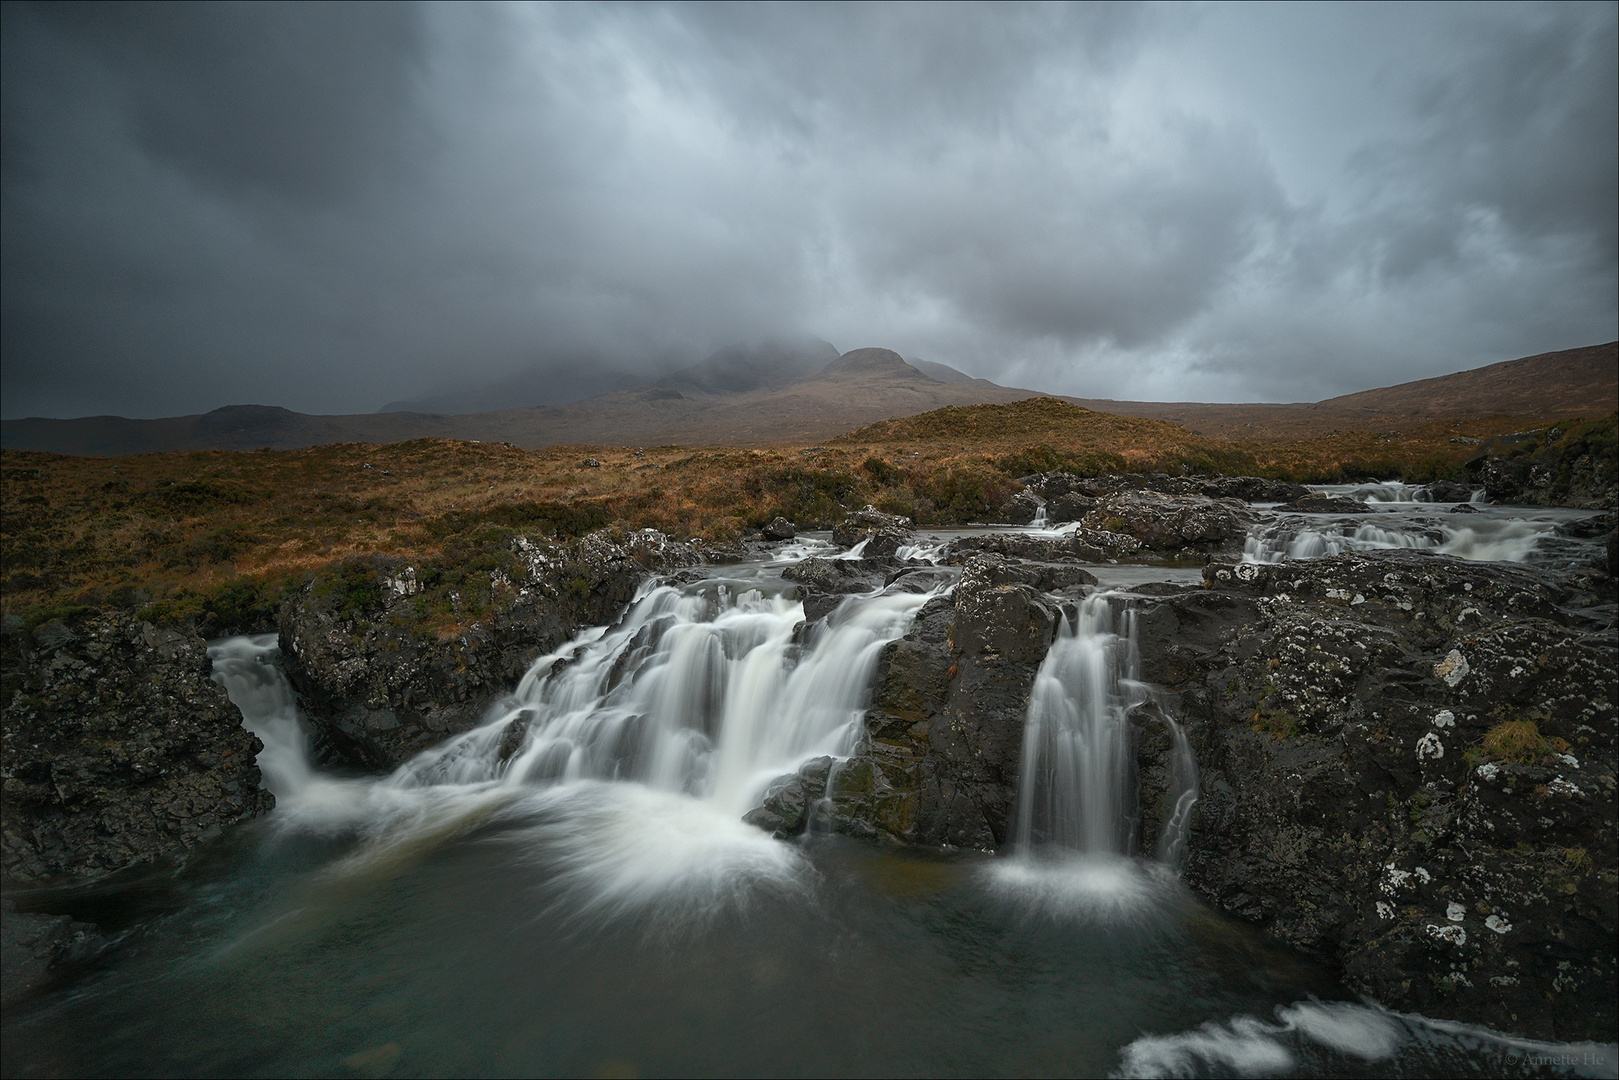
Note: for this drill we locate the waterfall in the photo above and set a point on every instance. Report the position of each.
(696, 691)
(1482, 540)
(1039, 521)
(245, 667)
(1078, 794)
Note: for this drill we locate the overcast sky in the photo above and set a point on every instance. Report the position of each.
(329, 208)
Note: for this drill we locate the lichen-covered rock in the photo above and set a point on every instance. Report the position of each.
(882, 533)
(119, 749)
(778, 529)
(1083, 545)
(1408, 770)
(383, 680)
(839, 577)
(1020, 509)
(1171, 522)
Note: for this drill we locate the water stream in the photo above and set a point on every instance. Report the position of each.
(569, 889)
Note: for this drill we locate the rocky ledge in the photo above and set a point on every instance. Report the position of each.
(1407, 763)
(119, 749)
(382, 679)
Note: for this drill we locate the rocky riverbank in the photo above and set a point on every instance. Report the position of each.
(119, 750)
(1408, 762)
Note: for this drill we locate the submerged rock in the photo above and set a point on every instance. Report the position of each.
(118, 749)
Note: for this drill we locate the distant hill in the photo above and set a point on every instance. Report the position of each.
(1573, 382)
(802, 393)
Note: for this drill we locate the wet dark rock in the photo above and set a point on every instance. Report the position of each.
(789, 801)
(940, 759)
(780, 529)
(1447, 491)
(118, 749)
(923, 579)
(1084, 545)
(1069, 507)
(1318, 503)
(1530, 468)
(1020, 509)
(1171, 522)
(840, 576)
(1351, 805)
(383, 683)
(883, 533)
(1579, 528)
(1053, 485)
(35, 948)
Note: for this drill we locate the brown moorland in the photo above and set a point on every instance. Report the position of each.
(217, 535)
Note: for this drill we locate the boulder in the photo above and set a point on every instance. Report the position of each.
(883, 533)
(1447, 491)
(1171, 522)
(118, 749)
(779, 529)
(939, 762)
(1020, 509)
(839, 577)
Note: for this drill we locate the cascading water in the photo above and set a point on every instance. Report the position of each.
(636, 749)
(1489, 541)
(1077, 792)
(1076, 822)
(245, 667)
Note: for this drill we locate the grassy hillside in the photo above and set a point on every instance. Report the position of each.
(216, 535)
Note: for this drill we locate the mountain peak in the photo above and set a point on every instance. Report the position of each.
(883, 361)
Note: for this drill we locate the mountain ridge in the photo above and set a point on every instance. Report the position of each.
(854, 389)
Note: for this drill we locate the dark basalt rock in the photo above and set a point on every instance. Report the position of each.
(1447, 491)
(1069, 507)
(789, 802)
(1053, 485)
(1318, 503)
(779, 529)
(840, 577)
(1351, 806)
(119, 749)
(382, 684)
(940, 759)
(1171, 522)
(1020, 509)
(1084, 545)
(883, 533)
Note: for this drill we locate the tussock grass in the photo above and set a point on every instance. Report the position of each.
(217, 535)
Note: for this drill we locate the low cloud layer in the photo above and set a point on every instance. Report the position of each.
(329, 208)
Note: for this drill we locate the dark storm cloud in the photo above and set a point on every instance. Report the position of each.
(333, 207)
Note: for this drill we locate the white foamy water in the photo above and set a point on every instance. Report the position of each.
(1315, 1032)
(1075, 826)
(1487, 540)
(634, 749)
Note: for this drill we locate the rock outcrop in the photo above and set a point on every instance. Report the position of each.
(1408, 769)
(1054, 485)
(882, 533)
(381, 680)
(119, 749)
(940, 759)
(1163, 522)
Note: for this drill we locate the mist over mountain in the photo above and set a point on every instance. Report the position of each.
(753, 395)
